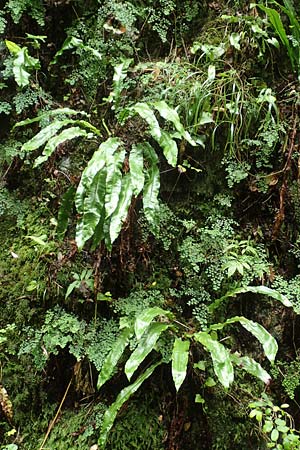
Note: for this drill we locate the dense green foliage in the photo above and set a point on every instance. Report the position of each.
(149, 208)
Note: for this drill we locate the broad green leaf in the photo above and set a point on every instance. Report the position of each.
(256, 290)
(234, 40)
(120, 73)
(206, 117)
(275, 19)
(268, 426)
(90, 194)
(273, 41)
(275, 435)
(12, 47)
(99, 231)
(93, 207)
(180, 357)
(124, 395)
(22, 61)
(169, 147)
(267, 291)
(211, 73)
(210, 382)
(151, 187)
(20, 73)
(114, 162)
(220, 358)
(145, 346)
(262, 335)
(251, 366)
(96, 163)
(144, 319)
(73, 42)
(69, 43)
(114, 356)
(65, 211)
(148, 115)
(47, 114)
(88, 126)
(201, 365)
(269, 344)
(171, 114)
(120, 213)
(199, 399)
(65, 135)
(136, 165)
(44, 135)
(213, 52)
(75, 284)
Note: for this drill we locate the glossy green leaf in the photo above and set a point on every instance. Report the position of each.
(44, 135)
(136, 165)
(171, 114)
(103, 196)
(169, 147)
(144, 319)
(275, 435)
(21, 75)
(255, 290)
(199, 399)
(267, 291)
(262, 335)
(251, 366)
(114, 162)
(120, 213)
(124, 395)
(151, 188)
(13, 48)
(180, 357)
(220, 357)
(75, 284)
(65, 135)
(93, 208)
(112, 359)
(69, 43)
(234, 40)
(96, 163)
(269, 344)
(145, 346)
(210, 382)
(22, 61)
(144, 110)
(48, 114)
(120, 73)
(268, 426)
(65, 211)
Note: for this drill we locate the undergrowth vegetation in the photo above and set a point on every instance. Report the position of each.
(149, 209)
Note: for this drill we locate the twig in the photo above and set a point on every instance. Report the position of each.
(53, 421)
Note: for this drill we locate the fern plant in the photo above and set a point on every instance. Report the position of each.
(105, 191)
(155, 323)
